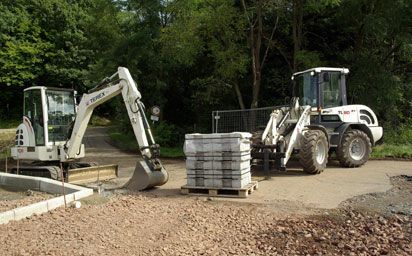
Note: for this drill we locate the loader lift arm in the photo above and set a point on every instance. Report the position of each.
(149, 172)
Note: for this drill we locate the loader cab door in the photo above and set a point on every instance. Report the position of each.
(33, 110)
(332, 89)
(306, 88)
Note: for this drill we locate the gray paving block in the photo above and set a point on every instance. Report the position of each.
(242, 135)
(238, 156)
(216, 165)
(229, 174)
(231, 183)
(209, 143)
(199, 173)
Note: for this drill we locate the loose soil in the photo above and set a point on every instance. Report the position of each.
(11, 198)
(145, 224)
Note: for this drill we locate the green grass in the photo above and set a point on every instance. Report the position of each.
(99, 121)
(6, 141)
(8, 124)
(128, 142)
(392, 151)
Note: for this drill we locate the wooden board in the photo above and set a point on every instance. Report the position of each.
(220, 192)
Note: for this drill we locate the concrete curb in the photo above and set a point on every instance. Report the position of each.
(73, 193)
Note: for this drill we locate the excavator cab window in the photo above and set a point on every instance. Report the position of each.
(61, 113)
(34, 111)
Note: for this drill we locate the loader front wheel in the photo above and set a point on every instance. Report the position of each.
(313, 154)
(355, 149)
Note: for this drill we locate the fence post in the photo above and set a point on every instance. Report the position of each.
(213, 121)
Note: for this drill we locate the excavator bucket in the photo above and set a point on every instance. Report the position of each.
(92, 174)
(143, 177)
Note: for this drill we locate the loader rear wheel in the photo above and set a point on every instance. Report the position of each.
(313, 154)
(355, 149)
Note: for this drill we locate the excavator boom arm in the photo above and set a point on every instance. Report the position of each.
(150, 171)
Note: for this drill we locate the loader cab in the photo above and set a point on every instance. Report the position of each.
(321, 87)
(49, 113)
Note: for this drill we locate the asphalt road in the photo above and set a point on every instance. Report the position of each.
(292, 190)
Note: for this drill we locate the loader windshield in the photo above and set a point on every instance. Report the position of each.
(61, 112)
(306, 89)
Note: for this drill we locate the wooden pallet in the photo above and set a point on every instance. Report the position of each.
(222, 192)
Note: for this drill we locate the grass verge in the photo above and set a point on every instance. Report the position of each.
(6, 141)
(128, 142)
(392, 151)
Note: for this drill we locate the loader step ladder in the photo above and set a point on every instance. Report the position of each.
(220, 192)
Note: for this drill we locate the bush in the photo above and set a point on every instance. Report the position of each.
(401, 135)
(167, 135)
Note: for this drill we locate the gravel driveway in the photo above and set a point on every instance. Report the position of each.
(290, 214)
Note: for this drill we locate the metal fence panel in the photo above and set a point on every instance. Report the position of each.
(247, 120)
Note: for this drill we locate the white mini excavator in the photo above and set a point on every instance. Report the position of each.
(53, 127)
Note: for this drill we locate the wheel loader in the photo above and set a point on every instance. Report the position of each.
(318, 122)
(53, 126)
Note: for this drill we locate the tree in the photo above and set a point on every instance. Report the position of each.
(255, 16)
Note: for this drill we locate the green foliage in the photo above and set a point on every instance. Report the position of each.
(192, 56)
(22, 48)
(167, 135)
(127, 142)
(9, 123)
(99, 121)
(400, 135)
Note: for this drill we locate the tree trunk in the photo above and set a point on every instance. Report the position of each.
(239, 96)
(297, 31)
(256, 36)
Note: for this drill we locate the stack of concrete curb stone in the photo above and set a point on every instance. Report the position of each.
(218, 160)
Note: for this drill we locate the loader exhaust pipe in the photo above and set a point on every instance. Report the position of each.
(147, 174)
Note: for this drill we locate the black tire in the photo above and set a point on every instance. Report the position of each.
(313, 141)
(354, 155)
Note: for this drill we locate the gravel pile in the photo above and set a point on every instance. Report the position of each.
(140, 224)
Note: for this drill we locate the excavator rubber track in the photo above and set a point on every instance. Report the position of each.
(88, 173)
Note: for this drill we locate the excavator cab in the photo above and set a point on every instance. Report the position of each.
(50, 111)
(321, 87)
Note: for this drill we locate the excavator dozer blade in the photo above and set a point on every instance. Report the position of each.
(143, 177)
(92, 174)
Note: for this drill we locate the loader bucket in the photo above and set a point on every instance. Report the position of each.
(144, 178)
(92, 174)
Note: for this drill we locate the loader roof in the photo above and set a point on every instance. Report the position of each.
(320, 69)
